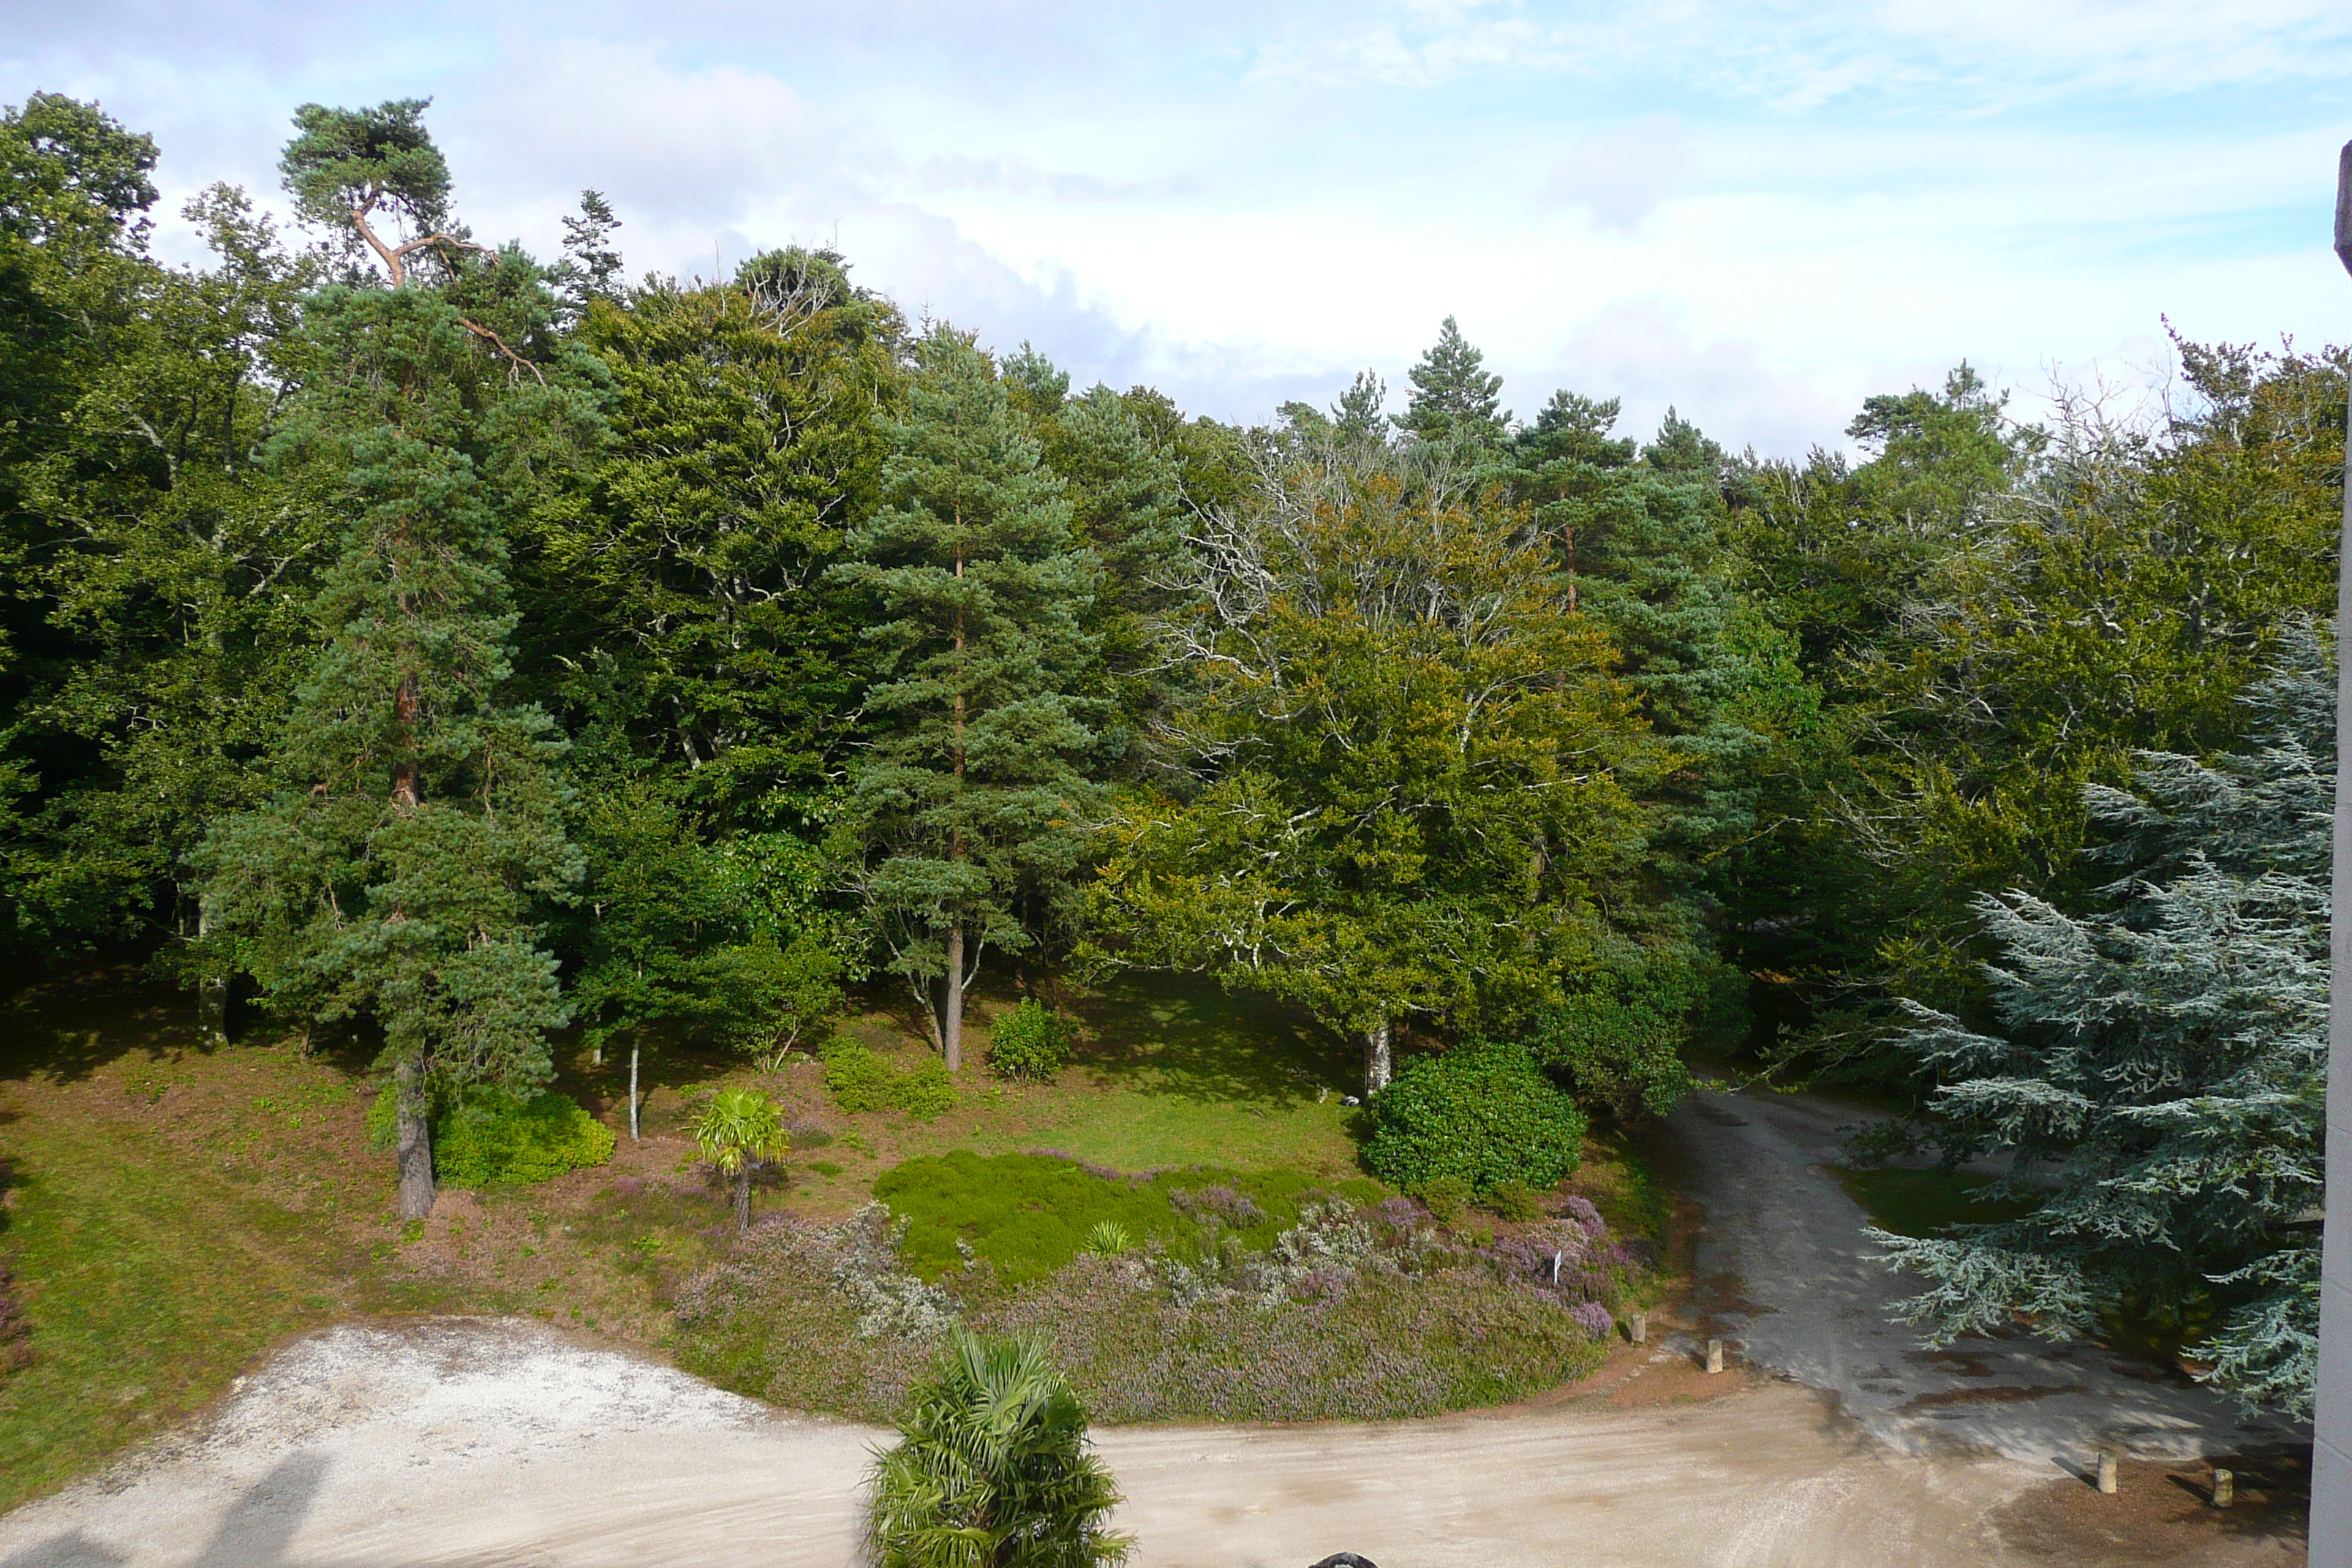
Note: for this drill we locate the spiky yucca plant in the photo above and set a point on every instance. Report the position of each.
(993, 1469)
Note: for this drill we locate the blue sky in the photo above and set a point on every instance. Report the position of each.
(1760, 212)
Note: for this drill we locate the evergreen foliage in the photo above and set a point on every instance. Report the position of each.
(2156, 1082)
(992, 1469)
(1455, 398)
(971, 800)
(1481, 1113)
(417, 831)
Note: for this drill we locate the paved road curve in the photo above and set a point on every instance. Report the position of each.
(1808, 1304)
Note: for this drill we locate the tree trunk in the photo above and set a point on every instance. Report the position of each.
(1377, 1062)
(212, 1010)
(416, 1135)
(743, 1196)
(212, 993)
(632, 1089)
(951, 1016)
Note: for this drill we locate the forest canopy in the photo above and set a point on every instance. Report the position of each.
(406, 637)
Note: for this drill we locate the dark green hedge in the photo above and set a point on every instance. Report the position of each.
(1483, 1112)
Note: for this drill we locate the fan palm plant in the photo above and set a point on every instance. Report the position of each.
(739, 1129)
(993, 1471)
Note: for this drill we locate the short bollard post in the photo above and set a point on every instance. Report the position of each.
(2225, 1488)
(1637, 1328)
(2108, 1470)
(1715, 1355)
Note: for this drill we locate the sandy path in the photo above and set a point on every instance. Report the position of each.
(498, 1442)
(1807, 1304)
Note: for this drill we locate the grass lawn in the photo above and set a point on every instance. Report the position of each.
(167, 1217)
(1921, 1202)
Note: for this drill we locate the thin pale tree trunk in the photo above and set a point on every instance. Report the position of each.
(415, 1141)
(632, 1089)
(952, 1016)
(1378, 1060)
(212, 993)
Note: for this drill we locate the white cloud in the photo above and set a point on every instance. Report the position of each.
(1761, 211)
(1620, 176)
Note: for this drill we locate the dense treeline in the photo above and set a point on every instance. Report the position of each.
(427, 642)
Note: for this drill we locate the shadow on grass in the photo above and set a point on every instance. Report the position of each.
(1187, 1036)
(67, 1025)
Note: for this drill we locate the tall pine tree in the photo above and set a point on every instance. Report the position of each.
(972, 799)
(418, 824)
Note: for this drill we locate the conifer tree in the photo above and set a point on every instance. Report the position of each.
(1455, 398)
(971, 799)
(2156, 1079)
(418, 825)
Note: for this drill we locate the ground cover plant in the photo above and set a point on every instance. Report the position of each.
(1347, 1309)
(1027, 1214)
(490, 1136)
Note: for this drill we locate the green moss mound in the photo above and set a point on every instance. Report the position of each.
(1483, 1113)
(1029, 1215)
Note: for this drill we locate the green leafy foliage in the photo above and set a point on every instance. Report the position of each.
(739, 1131)
(1483, 1113)
(1389, 702)
(1515, 1201)
(861, 1079)
(992, 1467)
(1447, 1198)
(925, 1091)
(491, 1138)
(858, 1078)
(1030, 1041)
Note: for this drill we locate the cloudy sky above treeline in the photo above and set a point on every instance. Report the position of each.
(1759, 212)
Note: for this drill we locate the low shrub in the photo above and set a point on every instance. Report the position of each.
(1516, 1202)
(1030, 1042)
(1448, 1197)
(858, 1078)
(924, 1091)
(861, 1080)
(1371, 1321)
(1483, 1112)
(491, 1137)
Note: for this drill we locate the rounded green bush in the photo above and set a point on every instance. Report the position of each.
(1483, 1112)
(1030, 1042)
(856, 1078)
